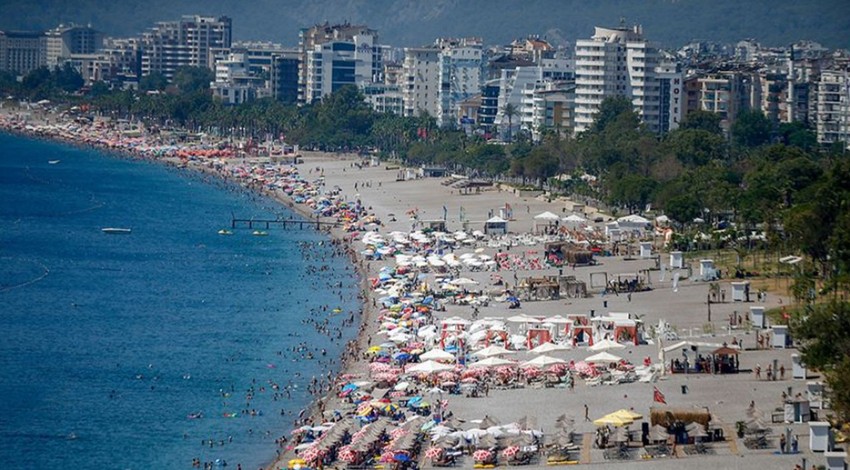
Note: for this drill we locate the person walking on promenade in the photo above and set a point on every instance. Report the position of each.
(586, 413)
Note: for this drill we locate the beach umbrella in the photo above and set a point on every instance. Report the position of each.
(492, 351)
(547, 216)
(612, 420)
(429, 367)
(606, 345)
(628, 414)
(543, 361)
(492, 361)
(547, 348)
(557, 320)
(463, 281)
(603, 357)
(437, 355)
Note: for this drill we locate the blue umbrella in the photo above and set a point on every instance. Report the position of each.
(401, 458)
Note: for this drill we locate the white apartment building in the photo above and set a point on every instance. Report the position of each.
(616, 62)
(832, 118)
(188, 42)
(437, 79)
(517, 88)
(461, 66)
(64, 40)
(420, 80)
(334, 64)
(235, 83)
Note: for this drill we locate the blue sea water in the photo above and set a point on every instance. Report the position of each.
(109, 342)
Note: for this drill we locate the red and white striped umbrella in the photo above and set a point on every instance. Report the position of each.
(434, 452)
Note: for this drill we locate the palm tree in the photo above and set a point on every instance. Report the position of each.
(510, 111)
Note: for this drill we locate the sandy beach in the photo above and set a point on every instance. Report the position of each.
(390, 200)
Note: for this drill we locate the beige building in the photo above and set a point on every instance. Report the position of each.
(187, 42)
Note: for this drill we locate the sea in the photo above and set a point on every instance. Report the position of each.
(150, 349)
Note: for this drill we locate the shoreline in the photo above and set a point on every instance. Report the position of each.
(726, 395)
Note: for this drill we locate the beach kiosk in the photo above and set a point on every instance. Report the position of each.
(820, 436)
(646, 249)
(741, 292)
(797, 410)
(836, 460)
(706, 269)
(781, 338)
(815, 393)
(757, 314)
(676, 260)
(496, 226)
(798, 369)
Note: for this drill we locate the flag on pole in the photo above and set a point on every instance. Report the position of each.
(445, 213)
(657, 396)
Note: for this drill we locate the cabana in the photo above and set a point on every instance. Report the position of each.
(725, 360)
(561, 253)
(574, 221)
(581, 329)
(496, 226)
(538, 288)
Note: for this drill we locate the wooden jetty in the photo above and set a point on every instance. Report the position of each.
(236, 222)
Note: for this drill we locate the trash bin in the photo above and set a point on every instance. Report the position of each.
(684, 389)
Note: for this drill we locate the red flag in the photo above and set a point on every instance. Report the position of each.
(658, 396)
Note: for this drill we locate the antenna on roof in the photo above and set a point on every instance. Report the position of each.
(622, 21)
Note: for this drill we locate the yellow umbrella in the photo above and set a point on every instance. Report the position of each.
(612, 420)
(627, 414)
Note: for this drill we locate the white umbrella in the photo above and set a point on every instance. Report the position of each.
(462, 281)
(437, 355)
(492, 361)
(492, 351)
(546, 216)
(606, 345)
(603, 357)
(429, 367)
(547, 348)
(543, 361)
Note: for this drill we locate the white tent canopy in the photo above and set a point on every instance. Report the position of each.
(547, 216)
(605, 345)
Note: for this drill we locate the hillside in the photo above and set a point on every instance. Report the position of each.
(415, 22)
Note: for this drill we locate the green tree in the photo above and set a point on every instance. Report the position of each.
(702, 120)
(67, 78)
(193, 79)
(154, 81)
(510, 111)
(751, 129)
(824, 332)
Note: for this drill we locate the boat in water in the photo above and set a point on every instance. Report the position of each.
(224, 231)
(116, 231)
(53, 162)
(260, 233)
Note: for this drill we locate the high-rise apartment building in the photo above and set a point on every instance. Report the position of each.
(438, 78)
(334, 64)
(187, 42)
(832, 116)
(65, 40)
(310, 38)
(21, 52)
(617, 62)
